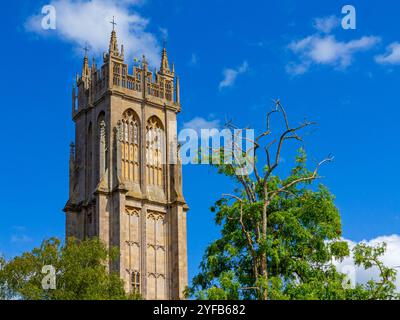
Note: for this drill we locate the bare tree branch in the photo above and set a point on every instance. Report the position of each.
(313, 176)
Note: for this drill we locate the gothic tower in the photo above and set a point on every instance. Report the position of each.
(125, 174)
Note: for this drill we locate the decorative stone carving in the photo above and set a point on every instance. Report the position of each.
(120, 168)
(132, 211)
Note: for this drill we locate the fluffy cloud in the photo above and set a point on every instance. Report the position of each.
(326, 50)
(390, 259)
(199, 123)
(392, 55)
(326, 24)
(230, 75)
(81, 21)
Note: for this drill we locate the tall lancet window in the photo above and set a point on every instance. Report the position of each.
(154, 152)
(130, 146)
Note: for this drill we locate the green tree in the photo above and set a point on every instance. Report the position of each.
(2, 283)
(370, 257)
(81, 272)
(279, 236)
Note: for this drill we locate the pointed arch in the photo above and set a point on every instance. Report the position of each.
(130, 143)
(154, 151)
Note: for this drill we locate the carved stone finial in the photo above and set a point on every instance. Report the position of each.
(113, 48)
(164, 68)
(144, 62)
(118, 131)
(113, 23)
(94, 66)
(102, 131)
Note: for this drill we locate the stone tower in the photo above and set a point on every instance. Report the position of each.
(125, 174)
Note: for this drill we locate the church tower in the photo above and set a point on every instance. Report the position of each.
(125, 175)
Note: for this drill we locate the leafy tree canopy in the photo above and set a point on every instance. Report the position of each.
(81, 272)
(280, 235)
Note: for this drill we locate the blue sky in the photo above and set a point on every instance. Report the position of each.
(232, 58)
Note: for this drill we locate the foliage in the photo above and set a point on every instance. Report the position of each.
(280, 236)
(3, 289)
(81, 272)
(385, 288)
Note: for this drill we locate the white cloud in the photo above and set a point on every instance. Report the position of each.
(297, 68)
(390, 259)
(326, 24)
(81, 21)
(20, 238)
(326, 50)
(199, 123)
(392, 55)
(193, 60)
(230, 75)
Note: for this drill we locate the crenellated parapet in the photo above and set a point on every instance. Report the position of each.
(156, 87)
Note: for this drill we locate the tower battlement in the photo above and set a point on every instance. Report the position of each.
(156, 87)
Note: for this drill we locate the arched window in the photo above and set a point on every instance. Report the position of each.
(135, 282)
(154, 156)
(168, 90)
(130, 146)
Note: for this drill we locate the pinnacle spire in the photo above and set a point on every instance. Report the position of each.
(94, 65)
(113, 40)
(85, 67)
(145, 64)
(164, 68)
(113, 43)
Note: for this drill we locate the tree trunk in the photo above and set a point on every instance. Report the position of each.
(264, 270)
